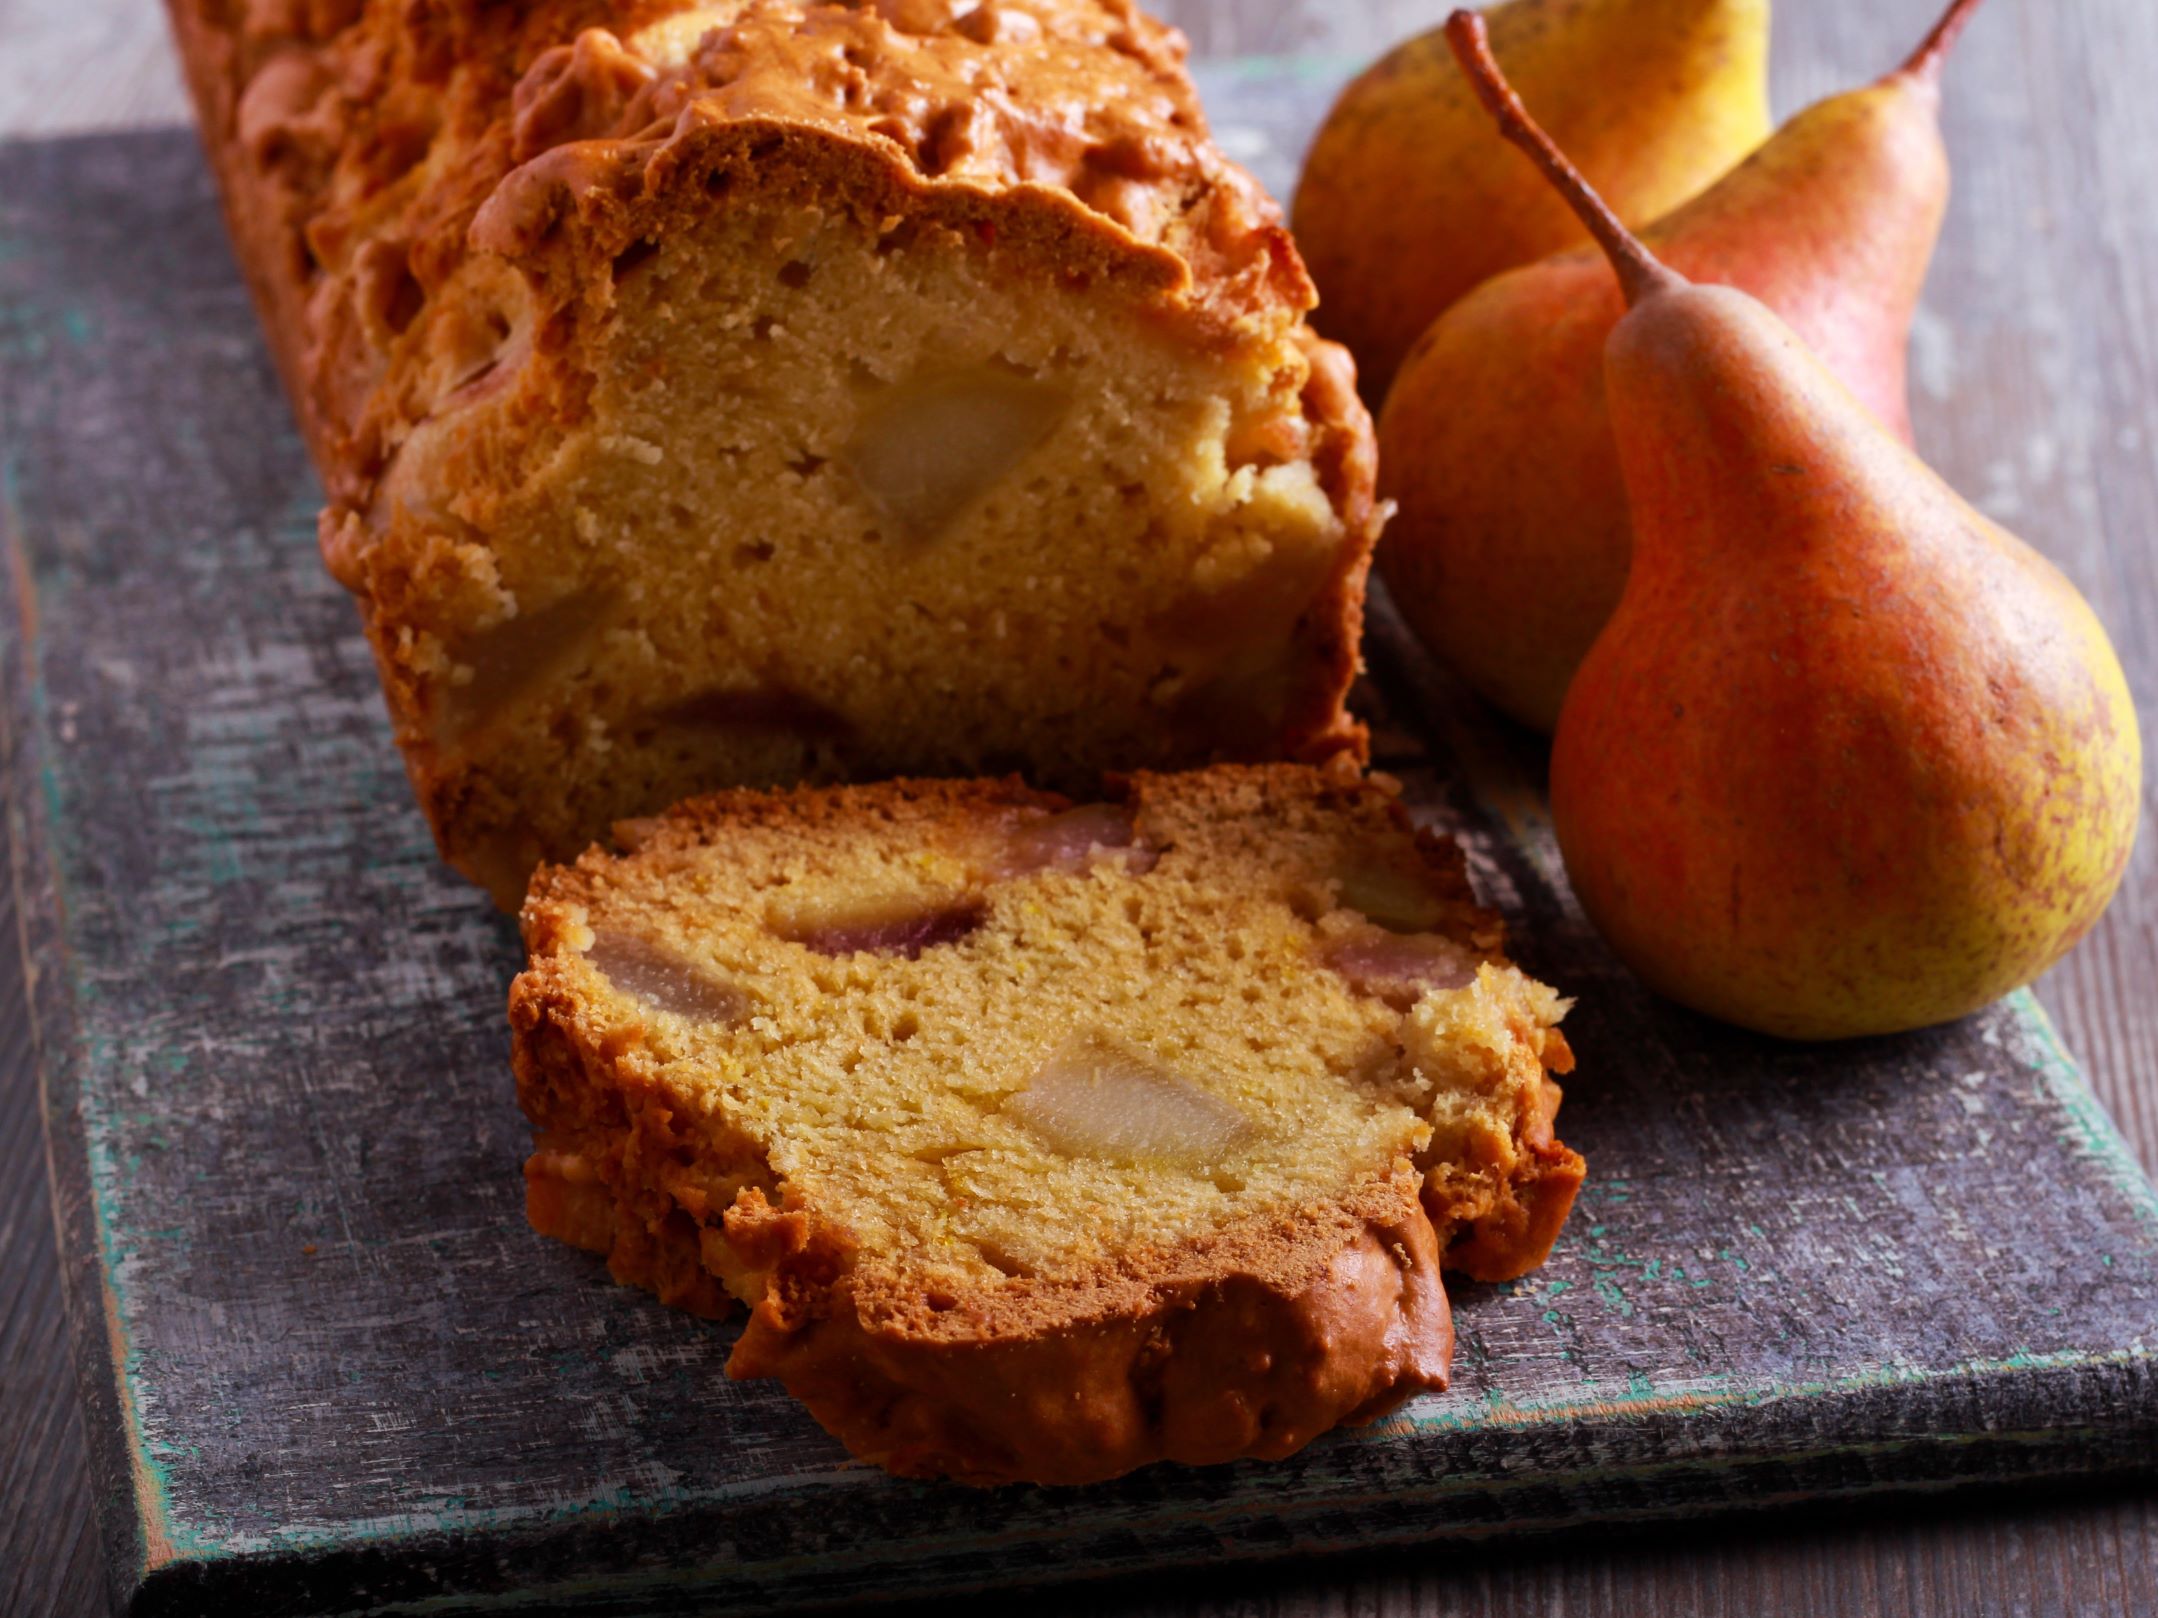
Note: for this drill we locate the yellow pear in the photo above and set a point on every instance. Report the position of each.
(1406, 203)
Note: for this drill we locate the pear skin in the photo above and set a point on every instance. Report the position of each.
(1848, 758)
(1511, 541)
(1406, 203)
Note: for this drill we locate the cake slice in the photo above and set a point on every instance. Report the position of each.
(1046, 1140)
(763, 391)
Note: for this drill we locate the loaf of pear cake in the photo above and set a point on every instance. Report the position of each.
(769, 391)
(1041, 1140)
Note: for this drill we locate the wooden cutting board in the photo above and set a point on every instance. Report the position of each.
(326, 1367)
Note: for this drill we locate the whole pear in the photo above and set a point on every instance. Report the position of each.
(1848, 758)
(1405, 202)
(1511, 542)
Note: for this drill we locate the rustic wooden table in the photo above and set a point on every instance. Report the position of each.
(2036, 379)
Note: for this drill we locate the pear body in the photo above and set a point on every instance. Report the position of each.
(1848, 758)
(1406, 202)
(1511, 542)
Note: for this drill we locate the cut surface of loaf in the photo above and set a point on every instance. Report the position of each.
(769, 391)
(1045, 1140)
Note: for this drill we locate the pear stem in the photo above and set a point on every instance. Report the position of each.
(1640, 273)
(1925, 62)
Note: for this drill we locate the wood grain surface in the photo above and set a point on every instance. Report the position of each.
(2037, 381)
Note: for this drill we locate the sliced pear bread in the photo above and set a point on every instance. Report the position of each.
(743, 393)
(1046, 1141)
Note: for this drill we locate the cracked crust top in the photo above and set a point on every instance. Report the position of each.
(382, 146)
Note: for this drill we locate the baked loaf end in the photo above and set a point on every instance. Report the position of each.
(747, 393)
(1043, 1141)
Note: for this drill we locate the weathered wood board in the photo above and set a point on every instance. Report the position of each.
(327, 1368)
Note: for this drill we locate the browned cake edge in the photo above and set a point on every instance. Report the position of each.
(1250, 1344)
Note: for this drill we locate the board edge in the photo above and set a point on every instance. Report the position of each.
(124, 1513)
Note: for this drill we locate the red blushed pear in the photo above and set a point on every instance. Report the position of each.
(1511, 543)
(1848, 758)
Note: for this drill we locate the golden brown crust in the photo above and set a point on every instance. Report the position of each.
(1344, 452)
(1066, 118)
(1249, 1342)
(1507, 1230)
(1250, 1348)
